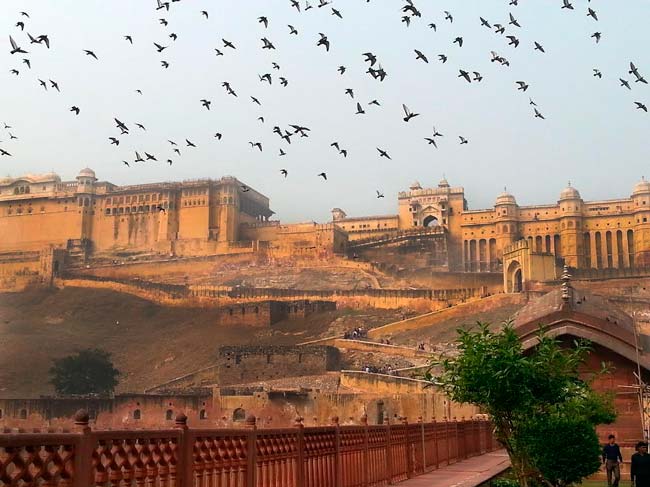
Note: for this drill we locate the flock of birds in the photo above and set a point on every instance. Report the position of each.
(22, 40)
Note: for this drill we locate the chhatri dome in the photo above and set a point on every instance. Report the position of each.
(443, 183)
(415, 185)
(87, 173)
(642, 187)
(505, 198)
(569, 193)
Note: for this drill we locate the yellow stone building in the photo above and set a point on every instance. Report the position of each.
(205, 217)
(584, 234)
(199, 217)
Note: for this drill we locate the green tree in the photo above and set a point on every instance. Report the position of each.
(543, 410)
(87, 372)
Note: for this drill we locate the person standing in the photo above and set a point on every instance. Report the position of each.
(612, 459)
(640, 470)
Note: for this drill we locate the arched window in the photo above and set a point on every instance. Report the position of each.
(137, 414)
(203, 414)
(169, 415)
(23, 414)
(239, 415)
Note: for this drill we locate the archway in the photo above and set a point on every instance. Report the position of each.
(430, 221)
(514, 277)
(239, 415)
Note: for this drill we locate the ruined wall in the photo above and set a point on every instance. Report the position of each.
(267, 313)
(243, 364)
(127, 411)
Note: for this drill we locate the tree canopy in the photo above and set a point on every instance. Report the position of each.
(538, 401)
(88, 371)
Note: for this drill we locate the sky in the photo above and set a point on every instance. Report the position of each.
(592, 134)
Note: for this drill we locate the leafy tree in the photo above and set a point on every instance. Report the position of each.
(87, 372)
(544, 412)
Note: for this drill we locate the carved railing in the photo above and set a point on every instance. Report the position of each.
(326, 456)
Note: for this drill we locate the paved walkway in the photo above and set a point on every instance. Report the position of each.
(468, 473)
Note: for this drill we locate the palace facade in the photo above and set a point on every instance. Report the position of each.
(206, 217)
(199, 217)
(584, 234)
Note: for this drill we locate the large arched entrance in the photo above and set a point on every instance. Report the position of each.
(430, 221)
(514, 277)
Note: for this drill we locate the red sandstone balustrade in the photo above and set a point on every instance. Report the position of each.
(325, 456)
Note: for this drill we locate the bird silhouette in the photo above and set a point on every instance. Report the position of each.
(324, 41)
(383, 153)
(322, 175)
(408, 113)
(91, 54)
(641, 106)
(75, 109)
(420, 55)
(284, 172)
(15, 49)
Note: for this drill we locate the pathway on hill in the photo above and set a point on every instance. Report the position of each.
(468, 473)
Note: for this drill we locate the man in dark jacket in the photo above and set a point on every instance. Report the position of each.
(640, 470)
(612, 459)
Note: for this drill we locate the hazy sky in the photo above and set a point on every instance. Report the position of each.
(592, 135)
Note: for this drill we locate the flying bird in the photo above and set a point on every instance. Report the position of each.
(15, 48)
(641, 106)
(566, 4)
(408, 113)
(522, 85)
(322, 175)
(513, 21)
(90, 53)
(206, 103)
(597, 73)
(263, 20)
(379, 195)
(625, 83)
(75, 109)
(383, 153)
(464, 74)
(463, 140)
(323, 41)
(188, 143)
(256, 144)
(597, 36)
(420, 55)
(591, 13)
(292, 30)
(114, 141)
(360, 110)
(539, 47)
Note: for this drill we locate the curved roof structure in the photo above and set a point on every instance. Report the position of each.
(581, 314)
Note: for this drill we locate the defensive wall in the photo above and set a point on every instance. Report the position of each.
(244, 364)
(217, 296)
(267, 313)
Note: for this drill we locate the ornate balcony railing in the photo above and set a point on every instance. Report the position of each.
(329, 456)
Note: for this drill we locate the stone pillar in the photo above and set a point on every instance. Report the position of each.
(594, 253)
